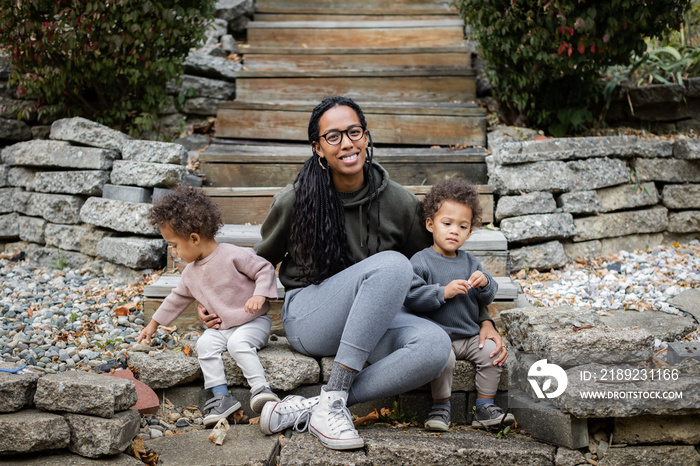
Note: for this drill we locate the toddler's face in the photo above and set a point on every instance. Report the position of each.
(187, 248)
(451, 226)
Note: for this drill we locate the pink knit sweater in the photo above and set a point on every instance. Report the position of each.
(222, 282)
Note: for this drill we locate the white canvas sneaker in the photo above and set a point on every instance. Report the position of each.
(331, 422)
(294, 411)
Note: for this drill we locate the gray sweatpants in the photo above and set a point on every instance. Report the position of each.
(357, 315)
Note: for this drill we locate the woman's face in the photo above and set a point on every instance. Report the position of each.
(347, 158)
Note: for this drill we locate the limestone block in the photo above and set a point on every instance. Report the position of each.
(621, 224)
(201, 106)
(528, 177)
(326, 366)
(16, 390)
(688, 301)
(14, 130)
(9, 227)
(285, 369)
(84, 393)
(31, 430)
(212, 88)
(133, 252)
(21, 177)
(165, 370)
(203, 64)
(687, 221)
(530, 203)
(544, 256)
(611, 246)
(81, 238)
(658, 454)
(538, 227)
(582, 250)
(628, 196)
(89, 133)
(597, 173)
(147, 174)
(582, 148)
(580, 202)
(48, 256)
(126, 193)
(661, 325)
(155, 152)
(94, 437)
(545, 422)
(7, 203)
(3, 175)
(667, 170)
(688, 149)
(681, 196)
(47, 153)
(85, 182)
(32, 229)
(129, 217)
(678, 351)
(56, 208)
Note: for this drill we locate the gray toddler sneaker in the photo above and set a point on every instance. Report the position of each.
(260, 397)
(491, 415)
(438, 419)
(219, 407)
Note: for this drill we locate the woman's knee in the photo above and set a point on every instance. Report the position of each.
(435, 347)
(394, 264)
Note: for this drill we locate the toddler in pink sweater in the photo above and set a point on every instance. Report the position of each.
(231, 281)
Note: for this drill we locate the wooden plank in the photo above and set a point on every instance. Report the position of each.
(386, 128)
(252, 49)
(353, 14)
(338, 25)
(389, 6)
(450, 71)
(377, 37)
(397, 89)
(310, 63)
(251, 205)
(466, 109)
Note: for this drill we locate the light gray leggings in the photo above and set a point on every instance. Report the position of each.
(358, 316)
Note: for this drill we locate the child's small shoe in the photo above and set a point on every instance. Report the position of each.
(491, 415)
(439, 418)
(219, 407)
(260, 397)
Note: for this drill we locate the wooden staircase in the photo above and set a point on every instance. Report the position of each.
(406, 64)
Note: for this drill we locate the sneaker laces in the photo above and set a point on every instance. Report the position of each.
(340, 419)
(299, 407)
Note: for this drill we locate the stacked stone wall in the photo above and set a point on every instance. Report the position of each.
(81, 198)
(571, 198)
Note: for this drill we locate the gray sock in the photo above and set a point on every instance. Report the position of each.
(341, 379)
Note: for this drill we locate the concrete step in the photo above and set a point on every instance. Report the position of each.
(227, 163)
(408, 123)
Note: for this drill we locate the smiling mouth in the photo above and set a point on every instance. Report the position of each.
(349, 158)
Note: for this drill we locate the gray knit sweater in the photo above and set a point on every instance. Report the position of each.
(459, 316)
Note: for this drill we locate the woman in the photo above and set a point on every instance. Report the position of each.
(343, 234)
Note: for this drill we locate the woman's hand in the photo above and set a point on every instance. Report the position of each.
(488, 332)
(210, 320)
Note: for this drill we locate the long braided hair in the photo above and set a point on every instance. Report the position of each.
(318, 235)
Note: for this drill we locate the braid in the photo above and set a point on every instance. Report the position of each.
(369, 176)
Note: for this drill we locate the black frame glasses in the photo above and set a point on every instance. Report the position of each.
(339, 134)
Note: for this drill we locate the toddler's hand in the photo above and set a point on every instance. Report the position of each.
(147, 332)
(456, 287)
(478, 280)
(254, 304)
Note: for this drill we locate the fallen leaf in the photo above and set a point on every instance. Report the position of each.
(369, 419)
(187, 350)
(122, 311)
(238, 416)
(254, 420)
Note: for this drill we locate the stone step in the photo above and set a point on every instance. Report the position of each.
(320, 58)
(251, 205)
(361, 34)
(425, 84)
(373, 7)
(414, 123)
(226, 163)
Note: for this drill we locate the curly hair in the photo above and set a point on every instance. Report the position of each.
(187, 210)
(318, 235)
(456, 190)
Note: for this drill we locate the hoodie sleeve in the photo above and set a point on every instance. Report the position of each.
(423, 297)
(275, 228)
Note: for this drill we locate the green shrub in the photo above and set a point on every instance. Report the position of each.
(545, 56)
(107, 60)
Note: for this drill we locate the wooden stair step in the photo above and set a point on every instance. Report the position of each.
(414, 123)
(436, 33)
(251, 205)
(354, 15)
(394, 86)
(247, 165)
(366, 7)
(322, 58)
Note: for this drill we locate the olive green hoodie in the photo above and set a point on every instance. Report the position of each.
(401, 227)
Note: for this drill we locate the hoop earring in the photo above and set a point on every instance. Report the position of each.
(319, 162)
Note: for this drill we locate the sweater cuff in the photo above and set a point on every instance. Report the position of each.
(441, 295)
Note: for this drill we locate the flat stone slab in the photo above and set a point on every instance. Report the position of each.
(31, 430)
(147, 174)
(56, 208)
(244, 445)
(89, 133)
(661, 325)
(129, 217)
(95, 437)
(688, 301)
(84, 393)
(134, 252)
(154, 151)
(16, 390)
(661, 454)
(165, 369)
(678, 351)
(415, 446)
(657, 429)
(66, 458)
(651, 220)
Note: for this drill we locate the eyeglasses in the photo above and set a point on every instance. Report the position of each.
(334, 137)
